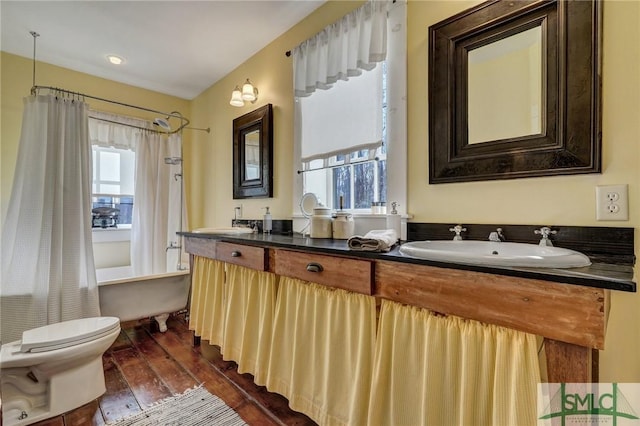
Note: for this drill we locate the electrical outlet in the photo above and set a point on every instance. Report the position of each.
(612, 202)
(238, 212)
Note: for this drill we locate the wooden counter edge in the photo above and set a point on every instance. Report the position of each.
(568, 313)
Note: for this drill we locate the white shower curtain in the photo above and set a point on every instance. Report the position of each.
(177, 207)
(156, 209)
(48, 272)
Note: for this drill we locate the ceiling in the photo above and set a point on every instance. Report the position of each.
(175, 47)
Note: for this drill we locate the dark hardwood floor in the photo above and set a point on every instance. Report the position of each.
(144, 366)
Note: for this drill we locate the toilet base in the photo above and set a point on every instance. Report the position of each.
(23, 406)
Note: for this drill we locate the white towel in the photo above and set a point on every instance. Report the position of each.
(375, 240)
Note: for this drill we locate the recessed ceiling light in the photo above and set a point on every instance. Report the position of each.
(116, 60)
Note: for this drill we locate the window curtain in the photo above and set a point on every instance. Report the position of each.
(347, 118)
(435, 370)
(48, 272)
(207, 311)
(250, 310)
(112, 130)
(322, 351)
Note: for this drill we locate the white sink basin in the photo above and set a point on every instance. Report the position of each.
(491, 253)
(223, 230)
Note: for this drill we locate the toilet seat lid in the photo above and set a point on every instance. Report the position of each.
(67, 333)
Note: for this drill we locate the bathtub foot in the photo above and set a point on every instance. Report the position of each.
(162, 321)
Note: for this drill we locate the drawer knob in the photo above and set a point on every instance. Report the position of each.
(236, 253)
(314, 267)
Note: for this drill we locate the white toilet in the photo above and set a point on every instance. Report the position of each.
(54, 369)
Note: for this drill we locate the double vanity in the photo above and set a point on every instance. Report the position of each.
(568, 307)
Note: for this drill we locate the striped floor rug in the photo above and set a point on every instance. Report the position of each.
(195, 407)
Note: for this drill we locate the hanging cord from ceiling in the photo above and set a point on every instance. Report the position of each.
(35, 35)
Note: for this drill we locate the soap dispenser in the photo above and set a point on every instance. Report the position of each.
(266, 222)
(394, 220)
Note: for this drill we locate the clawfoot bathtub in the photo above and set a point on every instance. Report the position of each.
(131, 298)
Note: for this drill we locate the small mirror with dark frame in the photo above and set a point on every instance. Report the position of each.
(253, 154)
(514, 91)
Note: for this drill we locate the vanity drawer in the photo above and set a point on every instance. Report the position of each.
(332, 271)
(239, 254)
(200, 247)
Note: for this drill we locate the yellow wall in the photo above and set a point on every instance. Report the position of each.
(567, 200)
(554, 200)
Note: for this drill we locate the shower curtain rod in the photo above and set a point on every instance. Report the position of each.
(184, 122)
(147, 129)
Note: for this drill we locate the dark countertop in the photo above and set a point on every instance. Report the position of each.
(600, 275)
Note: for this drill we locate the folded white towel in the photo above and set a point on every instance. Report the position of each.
(375, 240)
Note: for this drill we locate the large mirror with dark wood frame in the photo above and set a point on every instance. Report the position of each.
(514, 91)
(252, 154)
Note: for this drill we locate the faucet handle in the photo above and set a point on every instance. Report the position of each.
(545, 232)
(497, 235)
(457, 229)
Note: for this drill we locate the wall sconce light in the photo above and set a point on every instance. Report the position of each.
(248, 93)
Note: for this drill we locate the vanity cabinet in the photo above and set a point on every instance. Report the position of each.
(571, 318)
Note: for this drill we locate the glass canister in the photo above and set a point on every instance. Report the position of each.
(321, 222)
(343, 225)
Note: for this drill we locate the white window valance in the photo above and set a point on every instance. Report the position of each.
(343, 49)
(348, 117)
(112, 130)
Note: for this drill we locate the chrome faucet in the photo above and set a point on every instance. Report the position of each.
(176, 246)
(457, 229)
(545, 231)
(497, 236)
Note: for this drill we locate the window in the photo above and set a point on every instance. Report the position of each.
(113, 181)
(360, 177)
(376, 173)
